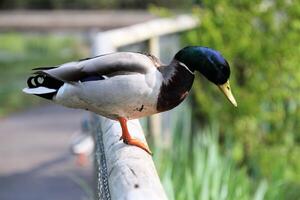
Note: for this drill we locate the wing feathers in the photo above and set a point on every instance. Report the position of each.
(102, 65)
(43, 68)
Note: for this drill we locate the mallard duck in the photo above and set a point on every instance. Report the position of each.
(126, 85)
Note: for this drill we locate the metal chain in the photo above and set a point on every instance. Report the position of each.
(103, 192)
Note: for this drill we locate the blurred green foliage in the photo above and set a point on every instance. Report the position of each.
(260, 39)
(19, 54)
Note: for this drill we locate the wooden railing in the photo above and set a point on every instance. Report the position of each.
(123, 171)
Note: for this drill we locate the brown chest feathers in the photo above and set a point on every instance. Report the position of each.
(175, 87)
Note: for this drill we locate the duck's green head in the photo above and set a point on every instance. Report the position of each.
(211, 64)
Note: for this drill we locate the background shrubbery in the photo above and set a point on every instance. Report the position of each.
(261, 40)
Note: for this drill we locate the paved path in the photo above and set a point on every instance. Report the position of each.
(35, 161)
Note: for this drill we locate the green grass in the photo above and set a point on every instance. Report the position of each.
(19, 54)
(201, 169)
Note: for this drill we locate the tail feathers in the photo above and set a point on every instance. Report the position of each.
(43, 85)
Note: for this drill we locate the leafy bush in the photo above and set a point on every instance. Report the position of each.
(260, 39)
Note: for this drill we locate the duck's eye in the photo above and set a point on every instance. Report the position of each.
(222, 67)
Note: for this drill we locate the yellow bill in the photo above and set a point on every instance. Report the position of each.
(225, 88)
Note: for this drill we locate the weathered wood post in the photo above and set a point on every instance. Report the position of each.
(155, 120)
(124, 171)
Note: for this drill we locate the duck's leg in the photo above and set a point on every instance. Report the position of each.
(127, 139)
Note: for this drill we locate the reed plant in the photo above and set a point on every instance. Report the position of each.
(199, 168)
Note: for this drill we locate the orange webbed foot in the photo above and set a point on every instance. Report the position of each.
(127, 139)
(138, 143)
